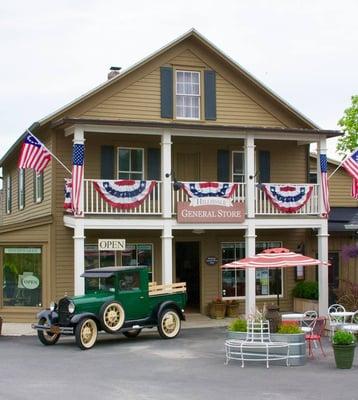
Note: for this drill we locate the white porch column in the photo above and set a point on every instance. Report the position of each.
(323, 269)
(79, 257)
(166, 169)
(250, 176)
(167, 254)
(250, 276)
(78, 138)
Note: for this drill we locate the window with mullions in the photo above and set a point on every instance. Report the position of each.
(238, 166)
(38, 186)
(233, 280)
(187, 95)
(8, 194)
(130, 163)
(139, 254)
(21, 187)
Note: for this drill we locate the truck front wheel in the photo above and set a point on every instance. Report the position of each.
(169, 324)
(86, 333)
(47, 338)
(112, 317)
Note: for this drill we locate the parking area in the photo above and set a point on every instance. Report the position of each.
(190, 366)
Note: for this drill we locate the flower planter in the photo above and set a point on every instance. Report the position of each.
(344, 355)
(232, 310)
(297, 348)
(217, 310)
(302, 305)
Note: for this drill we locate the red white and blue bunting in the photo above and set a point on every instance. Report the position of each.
(288, 198)
(67, 204)
(124, 193)
(209, 189)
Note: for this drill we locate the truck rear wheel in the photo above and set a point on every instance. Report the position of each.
(169, 324)
(112, 317)
(86, 333)
(47, 338)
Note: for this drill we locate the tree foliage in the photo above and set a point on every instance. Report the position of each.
(349, 123)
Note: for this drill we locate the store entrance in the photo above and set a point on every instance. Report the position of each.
(187, 262)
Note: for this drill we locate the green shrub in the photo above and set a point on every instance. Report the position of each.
(306, 290)
(290, 328)
(238, 325)
(343, 338)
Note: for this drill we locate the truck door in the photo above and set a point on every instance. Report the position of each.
(133, 299)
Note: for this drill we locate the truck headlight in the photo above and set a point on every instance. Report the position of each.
(71, 308)
(53, 306)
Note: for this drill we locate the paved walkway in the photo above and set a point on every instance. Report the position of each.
(194, 320)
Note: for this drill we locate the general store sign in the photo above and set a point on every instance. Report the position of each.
(111, 244)
(233, 213)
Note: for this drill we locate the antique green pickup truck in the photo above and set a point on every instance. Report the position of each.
(117, 299)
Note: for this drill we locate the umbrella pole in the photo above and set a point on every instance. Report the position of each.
(276, 286)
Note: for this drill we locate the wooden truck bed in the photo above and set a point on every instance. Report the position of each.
(168, 288)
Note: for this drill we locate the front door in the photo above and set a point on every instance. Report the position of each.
(187, 270)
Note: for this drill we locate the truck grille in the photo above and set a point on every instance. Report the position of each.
(63, 314)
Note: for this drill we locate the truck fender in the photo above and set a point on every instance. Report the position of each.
(79, 317)
(172, 305)
(50, 316)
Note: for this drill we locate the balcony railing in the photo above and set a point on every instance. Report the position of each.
(181, 195)
(94, 204)
(263, 205)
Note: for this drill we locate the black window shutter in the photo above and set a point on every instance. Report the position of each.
(166, 92)
(223, 166)
(107, 162)
(264, 165)
(210, 94)
(153, 164)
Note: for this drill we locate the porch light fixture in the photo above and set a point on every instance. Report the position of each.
(198, 231)
(177, 185)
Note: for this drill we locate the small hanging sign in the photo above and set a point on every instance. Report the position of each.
(211, 260)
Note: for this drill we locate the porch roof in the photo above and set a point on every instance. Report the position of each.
(343, 219)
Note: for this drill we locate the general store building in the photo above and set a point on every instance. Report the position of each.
(187, 113)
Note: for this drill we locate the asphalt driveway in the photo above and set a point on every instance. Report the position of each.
(188, 367)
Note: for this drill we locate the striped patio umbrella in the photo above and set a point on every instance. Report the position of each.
(278, 257)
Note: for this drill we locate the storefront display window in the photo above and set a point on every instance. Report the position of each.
(139, 254)
(233, 280)
(22, 282)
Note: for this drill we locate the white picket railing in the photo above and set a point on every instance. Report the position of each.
(181, 195)
(94, 204)
(263, 205)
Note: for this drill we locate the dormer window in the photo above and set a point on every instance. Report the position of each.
(187, 95)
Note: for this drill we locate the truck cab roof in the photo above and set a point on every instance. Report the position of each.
(106, 272)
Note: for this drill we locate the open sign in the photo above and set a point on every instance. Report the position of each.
(30, 282)
(111, 244)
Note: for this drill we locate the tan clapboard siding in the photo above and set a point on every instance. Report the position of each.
(187, 59)
(140, 101)
(31, 210)
(32, 236)
(234, 107)
(340, 186)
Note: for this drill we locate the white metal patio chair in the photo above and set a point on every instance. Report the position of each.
(353, 326)
(308, 321)
(335, 322)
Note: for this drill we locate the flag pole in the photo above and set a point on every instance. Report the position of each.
(64, 166)
(339, 166)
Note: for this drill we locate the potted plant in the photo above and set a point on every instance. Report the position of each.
(217, 308)
(343, 344)
(305, 296)
(232, 308)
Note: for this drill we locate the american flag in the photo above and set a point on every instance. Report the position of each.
(350, 164)
(77, 177)
(33, 154)
(324, 184)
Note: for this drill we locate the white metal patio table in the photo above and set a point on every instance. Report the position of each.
(292, 317)
(345, 314)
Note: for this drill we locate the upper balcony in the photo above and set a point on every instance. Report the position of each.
(94, 204)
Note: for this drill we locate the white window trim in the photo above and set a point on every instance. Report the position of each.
(8, 194)
(130, 172)
(21, 188)
(258, 296)
(38, 197)
(191, 95)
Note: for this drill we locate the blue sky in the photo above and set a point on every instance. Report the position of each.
(306, 51)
